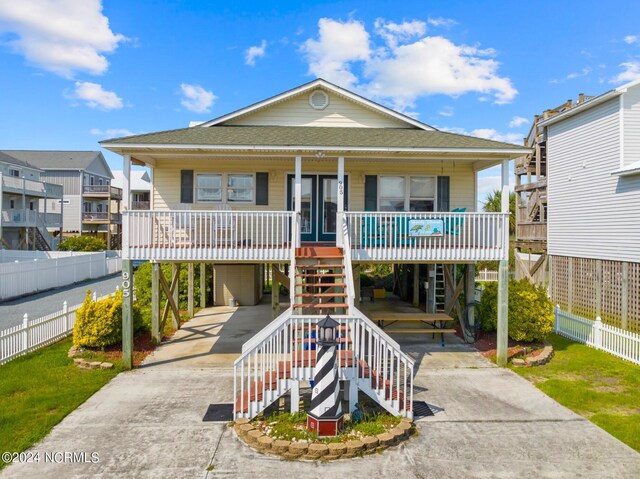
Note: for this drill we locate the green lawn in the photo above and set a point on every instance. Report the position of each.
(594, 384)
(38, 390)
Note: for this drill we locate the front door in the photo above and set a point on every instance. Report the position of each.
(319, 206)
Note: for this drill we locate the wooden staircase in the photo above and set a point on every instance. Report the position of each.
(320, 281)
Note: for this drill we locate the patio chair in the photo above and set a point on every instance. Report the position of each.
(453, 226)
(373, 232)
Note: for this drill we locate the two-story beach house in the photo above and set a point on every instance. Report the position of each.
(593, 220)
(139, 185)
(319, 182)
(30, 217)
(90, 203)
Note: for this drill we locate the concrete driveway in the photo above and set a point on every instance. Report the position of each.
(148, 423)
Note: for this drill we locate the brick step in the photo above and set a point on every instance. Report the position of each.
(320, 306)
(321, 295)
(319, 275)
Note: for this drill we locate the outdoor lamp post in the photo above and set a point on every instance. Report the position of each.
(326, 416)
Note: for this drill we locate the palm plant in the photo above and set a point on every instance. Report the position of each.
(493, 204)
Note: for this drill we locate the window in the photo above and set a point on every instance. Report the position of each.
(407, 193)
(31, 205)
(100, 181)
(91, 179)
(12, 204)
(87, 207)
(99, 208)
(208, 188)
(240, 188)
(15, 173)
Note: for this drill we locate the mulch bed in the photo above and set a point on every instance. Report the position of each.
(487, 345)
(142, 347)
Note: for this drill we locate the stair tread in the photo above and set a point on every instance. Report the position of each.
(319, 252)
(324, 285)
(320, 306)
(319, 275)
(320, 295)
(319, 266)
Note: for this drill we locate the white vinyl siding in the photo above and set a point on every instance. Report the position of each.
(340, 112)
(166, 181)
(631, 122)
(592, 214)
(71, 212)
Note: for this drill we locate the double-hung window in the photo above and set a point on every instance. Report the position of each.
(407, 193)
(240, 188)
(208, 188)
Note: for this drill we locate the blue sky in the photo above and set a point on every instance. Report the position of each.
(74, 73)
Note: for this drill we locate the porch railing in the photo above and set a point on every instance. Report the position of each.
(207, 235)
(106, 190)
(392, 236)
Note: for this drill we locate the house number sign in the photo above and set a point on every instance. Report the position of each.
(126, 284)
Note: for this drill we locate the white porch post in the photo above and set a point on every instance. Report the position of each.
(297, 191)
(503, 275)
(126, 184)
(340, 206)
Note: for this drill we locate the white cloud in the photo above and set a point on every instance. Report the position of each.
(254, 52)
(490, 183)
(61, 36)
(339, 44)
(394, 33)
(112, 132)
(94, 96)
(441, 22)
(404, 67)
(446, 111)
(518, 121)
(573, 75)
(630, 72)
(487, 134)
(196, 98)
(631, 39)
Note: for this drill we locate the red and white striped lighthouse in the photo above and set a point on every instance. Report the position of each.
(326, 417)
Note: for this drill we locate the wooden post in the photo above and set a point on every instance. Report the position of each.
(275, 294)
(203, 285)
(599, 287)
(624, 296)
(502, 339)
(570, 284)
(416, 285)
(156, 334)
(469, 291)
(127, 314)
(405, 282)
(175, 273)
(356, 284)
(190, 290)
(448, 269)
(295, 396)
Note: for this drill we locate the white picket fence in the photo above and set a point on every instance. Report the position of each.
(34, 334)
(486, 275)
(29, 275)
(619, 342)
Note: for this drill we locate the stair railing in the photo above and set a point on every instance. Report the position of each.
(42, 227)
(346, 245)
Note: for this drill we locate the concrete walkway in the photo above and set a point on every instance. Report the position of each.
(148, 423)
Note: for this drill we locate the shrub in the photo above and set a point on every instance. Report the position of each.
(99, 323)
(530, 311)
(82, 243)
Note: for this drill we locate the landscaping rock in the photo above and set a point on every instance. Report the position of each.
(253, 436)
(398, 434)
(291, 456)
(331, 457)
(95, 364)
(244, 429)
(348, 455)
(406, 427)
(386, 439)
(106, 365)
(298, 448)
(79, 360)
(517, 362)
(543, 358)
(370, 442)
(337, 449)
(265, 442)
(73, 351)
(317, 450)
(355, 447)
(280, 446)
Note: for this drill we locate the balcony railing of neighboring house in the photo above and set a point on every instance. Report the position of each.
(101, 217)
(102, 191)
(207, 235)
(417, 236)
(17, 185)
(31, 219)
(140, 205)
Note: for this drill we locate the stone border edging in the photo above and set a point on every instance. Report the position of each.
(541, 359)
(315, 451)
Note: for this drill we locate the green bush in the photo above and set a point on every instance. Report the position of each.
(82, 243)
(99, 323)
(142, 283)
(530, 310)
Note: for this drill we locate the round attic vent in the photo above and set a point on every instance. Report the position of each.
(319, 100)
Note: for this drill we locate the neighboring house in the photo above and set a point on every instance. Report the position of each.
(90, 203)
(140, 186)
(30, 217)
(318, 182)
(593, 219)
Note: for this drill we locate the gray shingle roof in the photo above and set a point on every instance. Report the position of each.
(55, 159)
(310, 136)
(5, 158)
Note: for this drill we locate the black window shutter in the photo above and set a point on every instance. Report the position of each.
(262, 188)
(186, 186)
(370, 193)
(443, 193)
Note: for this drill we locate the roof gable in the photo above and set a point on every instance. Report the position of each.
(293, 108)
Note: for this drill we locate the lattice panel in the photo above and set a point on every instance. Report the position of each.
(633, 318)
(583, 286)
(560, 281)
(611, 296)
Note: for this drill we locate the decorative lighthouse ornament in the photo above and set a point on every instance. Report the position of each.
(326, 417)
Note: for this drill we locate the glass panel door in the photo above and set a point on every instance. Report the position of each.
(328, 205)
(308, 207)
